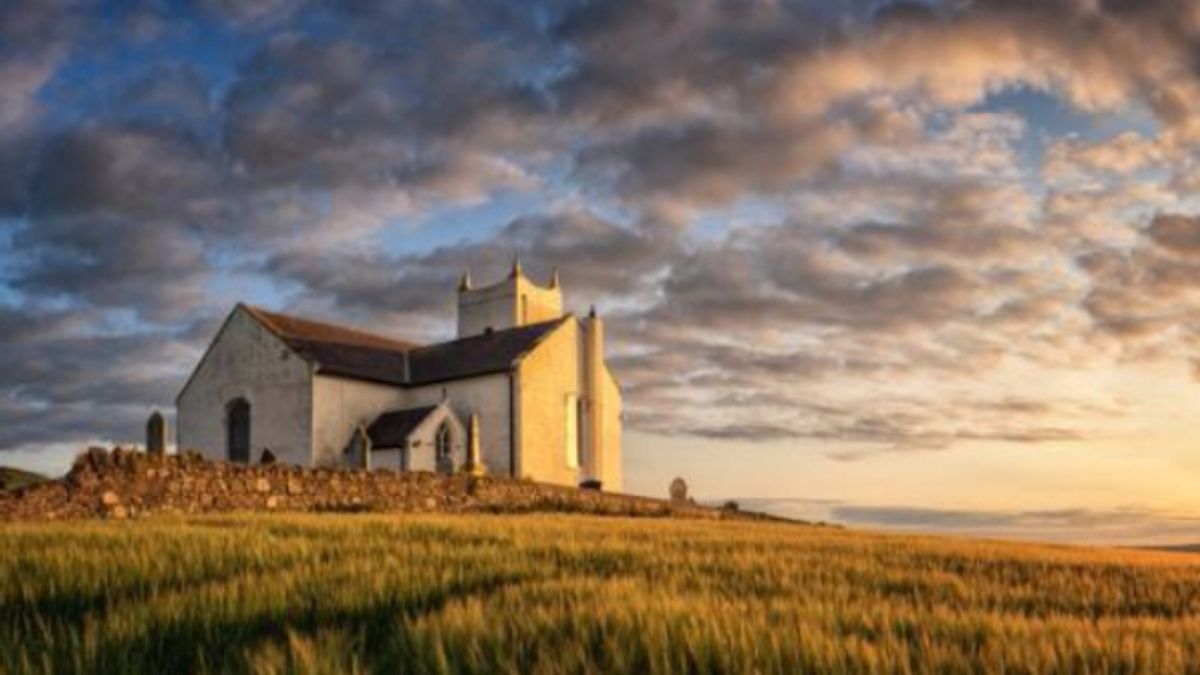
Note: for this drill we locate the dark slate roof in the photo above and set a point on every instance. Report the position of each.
(338, 350)
(348, 352)
(391, 429)
(494, 352)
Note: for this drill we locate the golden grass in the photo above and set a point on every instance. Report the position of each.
(574, 594)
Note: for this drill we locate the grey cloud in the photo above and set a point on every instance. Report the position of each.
(734, 111)
(34, 39)
(59, 382)
(1180, 234)
(598, 259)
(251, 12)
(322, 143)
(1143, 298)
(949, 242)
(113, 220)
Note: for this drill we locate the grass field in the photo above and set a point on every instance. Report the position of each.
(530, 594)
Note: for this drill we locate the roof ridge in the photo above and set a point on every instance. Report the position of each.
(493, 333)
(275, 322)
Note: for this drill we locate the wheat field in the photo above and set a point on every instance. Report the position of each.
(575, 594)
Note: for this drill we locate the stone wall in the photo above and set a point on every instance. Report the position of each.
(123, 484)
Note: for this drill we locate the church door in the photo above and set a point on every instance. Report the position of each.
(237, 429)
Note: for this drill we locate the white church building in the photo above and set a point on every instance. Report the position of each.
(523, 391)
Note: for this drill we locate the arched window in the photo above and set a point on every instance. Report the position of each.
(443, 446)
(237, 430)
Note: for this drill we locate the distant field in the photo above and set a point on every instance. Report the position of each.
(531, 594)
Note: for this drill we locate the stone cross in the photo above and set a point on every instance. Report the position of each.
(156, 434)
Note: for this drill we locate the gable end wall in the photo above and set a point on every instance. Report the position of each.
(248, 361)
(547, 376)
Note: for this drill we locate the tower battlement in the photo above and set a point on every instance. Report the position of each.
(512, 302)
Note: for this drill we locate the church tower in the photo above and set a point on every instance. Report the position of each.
(512, 302)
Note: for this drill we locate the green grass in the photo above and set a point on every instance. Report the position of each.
(533, 594)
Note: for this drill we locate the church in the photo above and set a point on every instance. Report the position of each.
(522, 391)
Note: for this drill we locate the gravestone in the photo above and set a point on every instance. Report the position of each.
(678, 490)
(156, 434)
(359, 449)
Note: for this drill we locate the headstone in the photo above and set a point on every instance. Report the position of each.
(678, 490)
(156, 434)
(358, 451)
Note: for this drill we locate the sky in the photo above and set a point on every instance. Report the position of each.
(929, 266)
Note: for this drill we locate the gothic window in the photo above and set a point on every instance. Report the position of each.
(237, 431)
(443, 447)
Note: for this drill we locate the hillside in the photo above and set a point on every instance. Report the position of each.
(11, 479)
(561, 593)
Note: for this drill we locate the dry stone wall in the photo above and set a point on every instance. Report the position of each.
(124, 484)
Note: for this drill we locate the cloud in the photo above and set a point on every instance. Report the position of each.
(113, 221)
(1124, 526)
(1121, 155)
(61, 381)
(1178, 234)
(805, 221)
(599, 261)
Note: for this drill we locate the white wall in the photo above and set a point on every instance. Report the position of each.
(485, 396)
(492, 307)
(341, 404)
(612, 472)
(246, 360)
(507, 304)
(422, 454)
(387, 459)
(549, 377)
